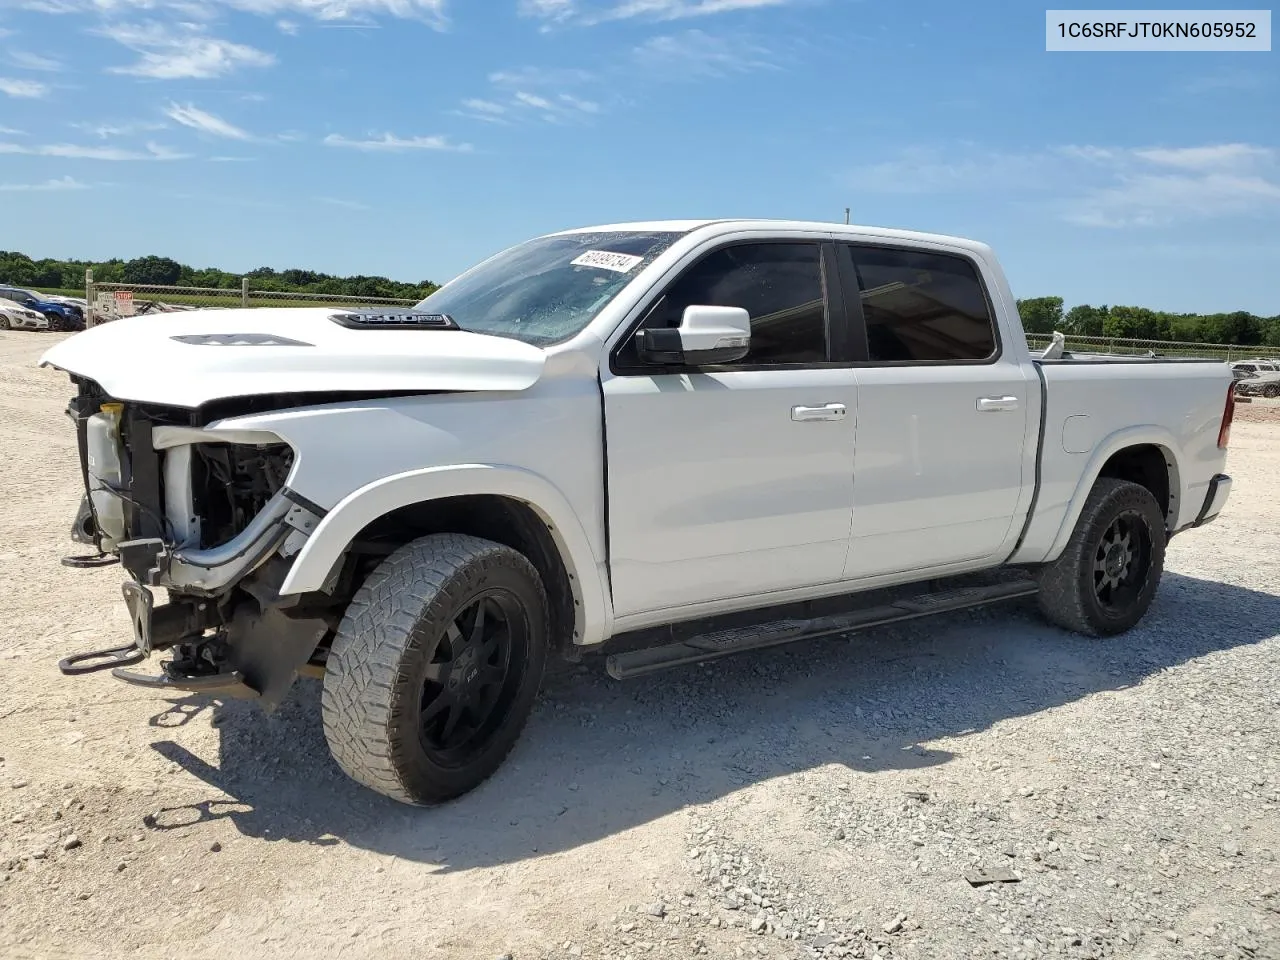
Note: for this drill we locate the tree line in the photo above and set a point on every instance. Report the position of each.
(1045, 315)
(20, 270)
(1039, 314)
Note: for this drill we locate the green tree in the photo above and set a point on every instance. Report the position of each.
(1238, 327)
(1041, 314)
(1271, 334)
(1136, 323)
(1085, 321)
(158, 270)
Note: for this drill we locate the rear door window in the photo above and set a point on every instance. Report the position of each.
(919, 306)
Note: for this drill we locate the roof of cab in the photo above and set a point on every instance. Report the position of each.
(852, 230)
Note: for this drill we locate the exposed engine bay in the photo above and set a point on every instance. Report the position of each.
(209, 522)
(232, 483)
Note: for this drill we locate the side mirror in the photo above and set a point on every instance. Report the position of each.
(706, 335)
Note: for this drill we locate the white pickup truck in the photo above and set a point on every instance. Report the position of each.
(687, 438)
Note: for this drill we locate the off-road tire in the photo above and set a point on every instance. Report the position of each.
(1068, 595)
(382, 656)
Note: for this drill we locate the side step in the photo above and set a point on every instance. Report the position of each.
(723, 643)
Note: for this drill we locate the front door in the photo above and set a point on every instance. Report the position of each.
(736, 480)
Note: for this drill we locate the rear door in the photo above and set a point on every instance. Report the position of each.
(736, 480)
(942, 412)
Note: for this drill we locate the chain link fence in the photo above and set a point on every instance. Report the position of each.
(1160, 348)
(110, 301)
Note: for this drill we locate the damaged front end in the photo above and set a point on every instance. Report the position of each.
(206, 516)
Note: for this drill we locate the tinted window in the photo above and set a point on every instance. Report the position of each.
(779, 285)
(921, 306)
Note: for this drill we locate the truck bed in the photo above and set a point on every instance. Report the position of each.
(1095, 404)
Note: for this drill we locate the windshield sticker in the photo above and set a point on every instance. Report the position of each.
(618, 262)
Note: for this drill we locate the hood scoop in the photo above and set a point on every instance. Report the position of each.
(393, 320)
(238, 340)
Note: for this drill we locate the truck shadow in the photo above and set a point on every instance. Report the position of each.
(601, 757)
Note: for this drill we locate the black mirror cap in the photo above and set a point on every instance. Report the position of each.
(660, 346)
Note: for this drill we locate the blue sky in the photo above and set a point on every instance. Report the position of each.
(411, 138)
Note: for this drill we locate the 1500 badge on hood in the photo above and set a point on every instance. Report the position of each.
(401, 320)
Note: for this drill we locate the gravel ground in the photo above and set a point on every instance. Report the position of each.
(825, 800)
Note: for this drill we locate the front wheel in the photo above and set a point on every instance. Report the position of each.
(4, 322)
(434, 669)
(1271, 391)
(1106, 578)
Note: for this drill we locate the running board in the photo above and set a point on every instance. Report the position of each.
(723, 643)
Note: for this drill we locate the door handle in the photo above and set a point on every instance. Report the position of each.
(993, 404)
(828, 411)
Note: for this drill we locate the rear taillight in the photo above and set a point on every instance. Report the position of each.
(1228, 413)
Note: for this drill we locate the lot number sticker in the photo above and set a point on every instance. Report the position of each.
(618, 262)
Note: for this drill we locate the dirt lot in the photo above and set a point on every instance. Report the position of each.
(824, 800)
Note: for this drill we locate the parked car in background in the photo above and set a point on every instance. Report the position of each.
(14, 316)
(62, 316)
(1254, 365)
(1264, 382)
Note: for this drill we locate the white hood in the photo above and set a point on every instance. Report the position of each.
(137, 358)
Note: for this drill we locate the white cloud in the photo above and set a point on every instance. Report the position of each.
(74, 151)
(1219, 156)
(484, 106)
(231, 159)
(105, 130)
(530, 100)
(553, 95)
(390, 143)
(287, 27)
(1145, 199)
(33, 61)
(540, 77)
(181, 51)
(197, 119)
(23, 89)
(574, 11)
(1097, 186)
(61, 183)
(11, 132)
(530, 93)
(700, 54)
(430, 12)
(486, 111)
(345, 204)
(928, 170)
(586, 106)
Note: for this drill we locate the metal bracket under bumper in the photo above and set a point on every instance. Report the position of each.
(1214, 499)
(229, 684)
(95, 660)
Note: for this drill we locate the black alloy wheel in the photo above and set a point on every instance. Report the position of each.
(468, 686)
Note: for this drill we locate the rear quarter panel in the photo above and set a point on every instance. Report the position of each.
(1094, 410)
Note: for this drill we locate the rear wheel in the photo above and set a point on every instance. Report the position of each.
(435, 667)
(1104, 581)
